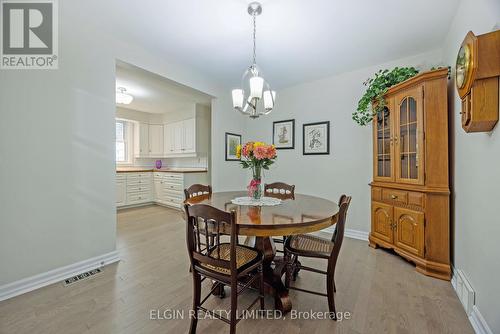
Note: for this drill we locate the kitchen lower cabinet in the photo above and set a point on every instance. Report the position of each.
(163, 188)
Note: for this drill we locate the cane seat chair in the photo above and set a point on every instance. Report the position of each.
(200, 191)
(315, 247)
(282, 191)
(197, 190)
(237, 266)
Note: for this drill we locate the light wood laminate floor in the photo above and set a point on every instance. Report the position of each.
(382, 292)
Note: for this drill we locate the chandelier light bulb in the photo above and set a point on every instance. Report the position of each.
(269, 98)
(237, 98)
(256, 86)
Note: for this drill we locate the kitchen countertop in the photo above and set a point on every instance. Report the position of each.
(167, 170)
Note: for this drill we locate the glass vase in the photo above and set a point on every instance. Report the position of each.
(255, 187)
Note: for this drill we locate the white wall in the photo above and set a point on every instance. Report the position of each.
(476, 161)
(348, 168)
(227, 175)
(57, 170)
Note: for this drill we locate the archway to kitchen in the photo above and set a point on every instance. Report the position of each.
(163, 144)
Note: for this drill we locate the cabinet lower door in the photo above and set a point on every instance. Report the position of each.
(382, 222)
(409, 234)
(121, 193)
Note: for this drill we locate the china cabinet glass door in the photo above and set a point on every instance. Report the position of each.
(409, 137)
(383, 150)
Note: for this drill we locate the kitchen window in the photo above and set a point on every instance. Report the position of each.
(123, 142)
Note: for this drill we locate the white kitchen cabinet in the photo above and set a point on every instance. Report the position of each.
(141, 140)
(148, 140)
(155, 140)
(164, 188)
(121, 190)
(180, 138)
(172, 185)
(189, 136)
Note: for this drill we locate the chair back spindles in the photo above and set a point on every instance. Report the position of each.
(197, 190)
(205, 221)
(279, 190)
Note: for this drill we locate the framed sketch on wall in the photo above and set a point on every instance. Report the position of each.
(284, 134)
(316, 138)
(232, 142)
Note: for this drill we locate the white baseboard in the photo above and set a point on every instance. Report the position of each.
(476, 319)
(478, 322)
(56, 275)
(353, 234)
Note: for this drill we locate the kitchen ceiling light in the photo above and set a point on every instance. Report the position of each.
(122, 97)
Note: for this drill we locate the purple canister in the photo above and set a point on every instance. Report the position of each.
(158, 164)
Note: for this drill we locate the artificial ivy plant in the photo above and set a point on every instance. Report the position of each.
(377, 87)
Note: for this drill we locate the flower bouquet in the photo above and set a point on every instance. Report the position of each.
(258, 156)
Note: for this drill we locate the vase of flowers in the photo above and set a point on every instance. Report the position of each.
(257, 156)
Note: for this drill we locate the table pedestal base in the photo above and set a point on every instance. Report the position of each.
(272, 276)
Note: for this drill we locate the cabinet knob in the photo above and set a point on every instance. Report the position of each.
(394, 196)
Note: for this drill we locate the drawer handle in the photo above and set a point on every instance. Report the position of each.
(394, 196)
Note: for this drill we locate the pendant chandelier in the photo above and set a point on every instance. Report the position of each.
(254, 97)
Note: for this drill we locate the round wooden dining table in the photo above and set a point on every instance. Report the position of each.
(295, 215)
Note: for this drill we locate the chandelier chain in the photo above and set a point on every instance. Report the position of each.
(254, 39)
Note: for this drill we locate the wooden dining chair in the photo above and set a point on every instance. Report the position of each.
(279, 190)
(237, 266)
(282, 191)
(295, 258)
(197, 190)
(307, 245)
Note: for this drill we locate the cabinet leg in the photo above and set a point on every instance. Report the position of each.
(372, 245)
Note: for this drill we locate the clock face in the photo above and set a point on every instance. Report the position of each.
(463, 65)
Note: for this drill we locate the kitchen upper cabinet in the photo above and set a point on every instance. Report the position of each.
(141, 140)
(148, 140)
(189, 135)
(155, 140)
(180, 138)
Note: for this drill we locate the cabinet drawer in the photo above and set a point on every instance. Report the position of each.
(138, 197)
(376, 194)
(138, 181)
(138, 188)
(121, 177)
(174, 177)
(173, 201)
(172, 186)
(158, 175)
(137, 176)
(393, 195)
(416, 199)
(173, 193)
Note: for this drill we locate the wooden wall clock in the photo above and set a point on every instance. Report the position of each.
(477, 76)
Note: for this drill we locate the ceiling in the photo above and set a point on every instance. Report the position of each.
(155, 94)
(297, 41)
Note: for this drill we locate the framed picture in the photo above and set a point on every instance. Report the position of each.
(284, 134)
(232, 141)
(316, 138)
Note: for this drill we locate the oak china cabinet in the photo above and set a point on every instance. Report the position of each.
(410, 188)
